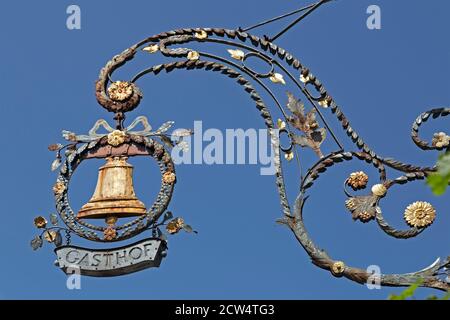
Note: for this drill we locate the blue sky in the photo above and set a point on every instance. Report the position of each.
(382, 79)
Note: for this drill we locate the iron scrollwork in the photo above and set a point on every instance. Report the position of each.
(284, 67)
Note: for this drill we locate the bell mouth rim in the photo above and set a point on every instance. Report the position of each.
(107, 212)
(107, 207)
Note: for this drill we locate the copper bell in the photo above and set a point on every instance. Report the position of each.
(114, 195)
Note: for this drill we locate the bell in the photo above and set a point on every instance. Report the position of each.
(114, 195)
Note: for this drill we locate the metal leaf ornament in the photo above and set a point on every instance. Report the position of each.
(58, 239)
(50, 236)
(54, 219)
(55, 147)
(313, 136)
(277, 78)
(36, 243)
(363, 208)
(164, 127)
(188, 228)
(182, 133)
(56, 163)
(151, 48)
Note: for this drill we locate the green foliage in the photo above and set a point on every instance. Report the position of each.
(409, 293)
(446, 297)
(439, 180)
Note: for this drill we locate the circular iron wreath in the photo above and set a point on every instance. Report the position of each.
(129, 229)
(277, 58)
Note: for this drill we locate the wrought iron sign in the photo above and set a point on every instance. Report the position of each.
(304, 124)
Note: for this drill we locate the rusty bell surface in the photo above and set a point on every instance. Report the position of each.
(114, 195)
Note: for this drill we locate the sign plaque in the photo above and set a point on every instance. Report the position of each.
(112, 262)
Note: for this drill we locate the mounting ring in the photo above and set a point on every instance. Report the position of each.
(291, 145)
(262, 57)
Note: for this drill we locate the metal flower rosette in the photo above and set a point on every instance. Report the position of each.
(303, 121)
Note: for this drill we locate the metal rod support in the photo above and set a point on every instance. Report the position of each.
(277, 18)
(293, 23)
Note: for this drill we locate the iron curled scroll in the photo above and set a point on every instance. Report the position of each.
(304, 80)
